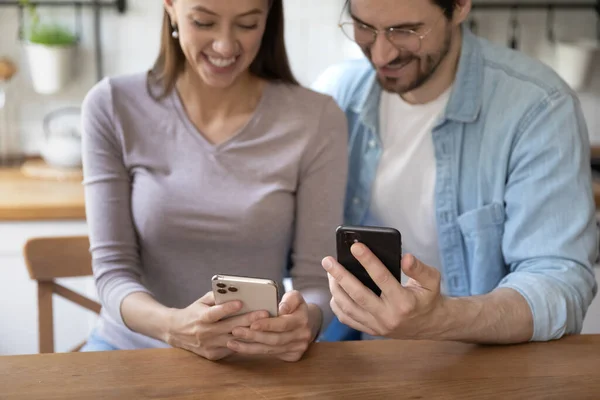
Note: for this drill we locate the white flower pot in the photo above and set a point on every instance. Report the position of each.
(574, 61)
(51, 67)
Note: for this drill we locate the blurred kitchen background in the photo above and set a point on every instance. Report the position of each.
(129, 43)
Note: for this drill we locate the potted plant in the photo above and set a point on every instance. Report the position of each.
(50, 52)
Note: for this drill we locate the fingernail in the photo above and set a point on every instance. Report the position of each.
(233, 345)
(358, 249)
(413, 262)
(284, 308)
(327, 264)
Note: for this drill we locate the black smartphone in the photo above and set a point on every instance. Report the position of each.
(385, 243)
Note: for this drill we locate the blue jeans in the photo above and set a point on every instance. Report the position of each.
(96, 343)
(337, 332)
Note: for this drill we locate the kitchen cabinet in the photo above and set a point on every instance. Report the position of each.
(30, 208)
(18, 293)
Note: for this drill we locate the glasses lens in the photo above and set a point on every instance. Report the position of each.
(358, 33)
(406, 40)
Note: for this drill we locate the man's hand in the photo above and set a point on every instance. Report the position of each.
(413, 311)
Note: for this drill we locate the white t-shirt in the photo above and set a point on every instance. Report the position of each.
(403, 195)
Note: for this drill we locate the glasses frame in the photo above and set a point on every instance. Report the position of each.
(387, 32)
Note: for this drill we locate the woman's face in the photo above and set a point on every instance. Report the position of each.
(220, 38)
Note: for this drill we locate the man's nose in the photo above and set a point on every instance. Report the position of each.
(382, 51)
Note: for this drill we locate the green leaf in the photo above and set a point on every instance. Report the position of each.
(51, 35)
(46, 34)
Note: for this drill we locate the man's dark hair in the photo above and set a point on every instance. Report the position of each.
(446, 5)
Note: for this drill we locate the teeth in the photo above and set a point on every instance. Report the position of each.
(221, 62)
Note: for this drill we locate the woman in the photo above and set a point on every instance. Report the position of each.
(215, 162)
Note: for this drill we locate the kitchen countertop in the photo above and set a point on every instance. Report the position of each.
(29, 199)
(596, 188)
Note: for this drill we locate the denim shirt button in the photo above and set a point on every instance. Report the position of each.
(356, 201)
(444, 148)
(372, 143)
(454, 282)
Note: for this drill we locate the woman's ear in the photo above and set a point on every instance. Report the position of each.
(170, 9)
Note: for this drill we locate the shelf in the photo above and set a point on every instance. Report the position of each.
(573, 5)
(120, 5)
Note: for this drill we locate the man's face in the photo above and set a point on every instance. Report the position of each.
(409, 62)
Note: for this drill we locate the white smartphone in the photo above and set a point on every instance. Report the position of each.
(255, 294)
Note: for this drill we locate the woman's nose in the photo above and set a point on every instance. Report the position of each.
(226, 45)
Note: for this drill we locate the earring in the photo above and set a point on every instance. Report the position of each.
(175, 33)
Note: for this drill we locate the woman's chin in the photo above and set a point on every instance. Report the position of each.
(219, 80)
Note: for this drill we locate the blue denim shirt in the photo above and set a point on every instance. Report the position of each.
(514, 204)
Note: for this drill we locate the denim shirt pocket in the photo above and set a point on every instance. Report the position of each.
(482, 230)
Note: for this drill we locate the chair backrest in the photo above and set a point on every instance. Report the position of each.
(49, 258)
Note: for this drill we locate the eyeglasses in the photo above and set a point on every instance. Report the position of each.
(405, 39)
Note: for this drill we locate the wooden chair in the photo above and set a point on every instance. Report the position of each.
(47, 259)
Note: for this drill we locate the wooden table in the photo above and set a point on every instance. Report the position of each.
(26, 199)
(569, 368)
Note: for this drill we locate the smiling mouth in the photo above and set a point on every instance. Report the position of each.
(395, 69)
(399, 64)
(221, 62)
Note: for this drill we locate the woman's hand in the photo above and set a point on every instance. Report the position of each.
(200, 327)
(285, 337)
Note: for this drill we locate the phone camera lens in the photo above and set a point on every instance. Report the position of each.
(351, 238)
(222, 291)
(221, 285)
(233, 289)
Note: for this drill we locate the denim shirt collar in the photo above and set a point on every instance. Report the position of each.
(465, 100)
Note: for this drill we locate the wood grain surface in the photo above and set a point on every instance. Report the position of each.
(26, 199)
(569, 368)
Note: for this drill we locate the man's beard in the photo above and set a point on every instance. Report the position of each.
(427, 65)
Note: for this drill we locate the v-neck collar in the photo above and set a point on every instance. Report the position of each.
(193, 130)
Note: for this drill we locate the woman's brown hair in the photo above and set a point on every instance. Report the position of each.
(271, 62)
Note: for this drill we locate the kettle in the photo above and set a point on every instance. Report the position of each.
(62, 145)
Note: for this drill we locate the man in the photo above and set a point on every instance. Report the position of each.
(479, 155)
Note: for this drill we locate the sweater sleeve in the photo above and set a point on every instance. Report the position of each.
(113, 244)
(319, 209)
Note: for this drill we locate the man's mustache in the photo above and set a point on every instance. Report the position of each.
(402, 60)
